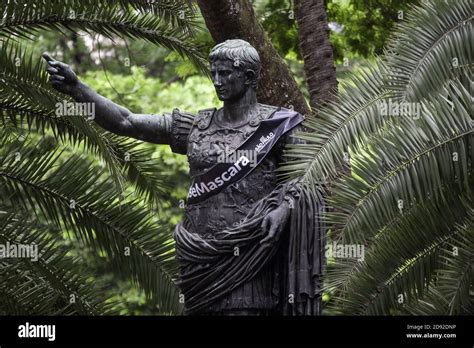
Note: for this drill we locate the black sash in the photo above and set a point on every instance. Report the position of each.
(258, 146)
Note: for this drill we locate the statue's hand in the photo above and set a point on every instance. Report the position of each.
(62, 78)
(274, 223)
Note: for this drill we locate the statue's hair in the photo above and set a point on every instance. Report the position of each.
(243, 54)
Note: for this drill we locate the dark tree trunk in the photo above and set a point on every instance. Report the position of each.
(313, 33)
(235, 19)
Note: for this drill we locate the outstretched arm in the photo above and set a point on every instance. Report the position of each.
(108, 115)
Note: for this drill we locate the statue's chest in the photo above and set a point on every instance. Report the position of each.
(210, 146)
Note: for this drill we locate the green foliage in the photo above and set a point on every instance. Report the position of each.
(407, 196)
(143, 94)
(278, 19)
(358, 28)
(366, 25)
(49, 276)
(168, 23)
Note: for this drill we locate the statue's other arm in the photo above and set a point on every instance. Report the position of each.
(108, 115)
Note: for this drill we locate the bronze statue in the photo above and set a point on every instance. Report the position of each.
(248, 244)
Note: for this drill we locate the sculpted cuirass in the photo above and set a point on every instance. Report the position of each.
(208, 142)
(204, 140)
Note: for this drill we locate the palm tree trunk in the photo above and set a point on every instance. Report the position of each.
(235, 19)
(316, 50)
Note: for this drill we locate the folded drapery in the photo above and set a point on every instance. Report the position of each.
(211, 267)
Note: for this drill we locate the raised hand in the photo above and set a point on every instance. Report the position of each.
(62, 78)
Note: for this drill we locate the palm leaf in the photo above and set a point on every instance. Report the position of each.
(91, 208)
(48, 275)
(22, 20)
(425, 163)
(409, 163)
(432, 45)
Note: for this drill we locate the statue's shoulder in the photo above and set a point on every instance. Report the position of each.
(264, 112)
(267, 111)
(204, 117)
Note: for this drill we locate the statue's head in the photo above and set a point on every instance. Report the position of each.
(235, 69)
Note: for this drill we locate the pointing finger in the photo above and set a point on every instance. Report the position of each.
(58, 65)
(47, 57)
(52, 70)
(53, 62)
(56, 78)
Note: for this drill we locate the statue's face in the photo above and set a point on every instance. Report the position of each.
(229, 81)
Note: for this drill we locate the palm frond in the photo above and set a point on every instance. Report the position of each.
(91, 208)
(22, 19)
(141, 170)
(343, 123)
(434, 44)
(438, 35)
(452, 292)
(44, 272)
(406, 164)
(398, 261)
